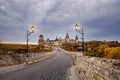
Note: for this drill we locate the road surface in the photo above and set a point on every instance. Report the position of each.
(54, 68)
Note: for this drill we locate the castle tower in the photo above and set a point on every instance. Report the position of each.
(67, 38)
(56, 38)
(41, 40)
(76, 39)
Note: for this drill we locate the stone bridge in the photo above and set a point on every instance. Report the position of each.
(94, 68)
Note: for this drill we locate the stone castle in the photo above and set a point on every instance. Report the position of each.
(57, 42)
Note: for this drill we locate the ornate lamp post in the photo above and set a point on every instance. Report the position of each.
(29, 32)
(82, 33)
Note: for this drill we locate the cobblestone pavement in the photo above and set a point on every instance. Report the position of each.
(54, 68)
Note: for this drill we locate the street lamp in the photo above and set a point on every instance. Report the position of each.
(32, 29)
(29, 32)
(81, 32)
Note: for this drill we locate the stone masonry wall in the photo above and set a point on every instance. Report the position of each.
(22, 58)
(6, 60)
(94, 68)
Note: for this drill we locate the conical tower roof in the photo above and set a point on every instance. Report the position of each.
(67, 36)
(76, 38)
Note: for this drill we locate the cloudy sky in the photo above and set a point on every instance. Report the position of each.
(99, 18)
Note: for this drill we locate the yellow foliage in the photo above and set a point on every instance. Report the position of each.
(99, 51)
(85, 53)
(113, 52)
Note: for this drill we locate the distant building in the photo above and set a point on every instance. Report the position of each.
(57, 42)
(67, 38)
(47, 44)
(41, 40)
(76, 39)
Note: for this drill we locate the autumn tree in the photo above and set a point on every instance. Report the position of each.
(98, 51)
(113, 52)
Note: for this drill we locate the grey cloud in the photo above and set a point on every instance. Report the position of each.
(84, 10)
(55, 17)
(95, 16)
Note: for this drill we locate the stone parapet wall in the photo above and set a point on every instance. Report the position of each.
(22, 58)
(94, 68)
(6, 60)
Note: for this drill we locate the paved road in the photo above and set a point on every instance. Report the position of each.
(55, 68)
